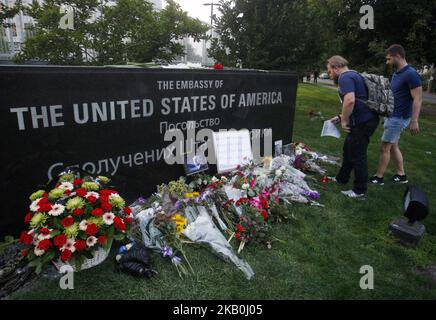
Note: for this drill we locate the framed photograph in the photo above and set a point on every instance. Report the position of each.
(278, 148)
(195, 163)
(232, 148)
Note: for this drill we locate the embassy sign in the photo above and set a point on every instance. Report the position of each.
(112, 121)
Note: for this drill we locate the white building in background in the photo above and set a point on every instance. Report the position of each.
(12, 39)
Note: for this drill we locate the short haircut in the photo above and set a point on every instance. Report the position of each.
(396, 49)
(337, 62)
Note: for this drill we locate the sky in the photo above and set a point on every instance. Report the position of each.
(196, 9)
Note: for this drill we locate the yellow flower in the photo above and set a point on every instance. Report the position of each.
(180, 222)
(192, 195)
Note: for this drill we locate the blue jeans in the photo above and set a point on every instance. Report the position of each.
(393, 128)
(355, 155)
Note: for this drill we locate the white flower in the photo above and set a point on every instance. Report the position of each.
(44, 237)
(38, 252)
(56, 210)
(83, 225)
(199, 181)
(245, 186)
(278, 173)
(223, 179)
(92, 193)
(214, 179)
(34, 206)
(108, 218)
(66, 186)
(156, 204)
(114, 195)
(69, 245)
(205, 182)
(91, 241)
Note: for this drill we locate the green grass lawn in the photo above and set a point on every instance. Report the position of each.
(324, 248)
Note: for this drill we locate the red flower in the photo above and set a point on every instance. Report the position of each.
(213, 185)
(264, 214)
(81, 192)
(242, 200)
(80, 245)
(44, 245)
(264, 204)
(119, 224)
(98, 212)
(24, 252)
(60, 240)
(128, 220)
(77, 182)
(67, 192)
(101, 240)
(66, 255)
(218, 66)
(67, 222)
(91, 229)
(107, 192)
(28, 217)
(44, 231)
(228, 203)
(78, 212)
(92, 199)
(26, 238)
(240, 228)
(44, 205)
(127, 211)
(238, 235)
(106, 206)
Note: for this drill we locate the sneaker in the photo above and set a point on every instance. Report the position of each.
(377, 180)
(400, 179)
(352, 194)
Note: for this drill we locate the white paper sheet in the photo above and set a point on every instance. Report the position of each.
(329, 130)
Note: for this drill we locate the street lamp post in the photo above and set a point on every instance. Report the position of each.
(211, 4)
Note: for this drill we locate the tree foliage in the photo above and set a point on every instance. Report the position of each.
(129, 31)
(301, 34)
(9, 12)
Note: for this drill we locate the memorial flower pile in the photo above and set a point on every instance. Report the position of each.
(307, 160)
(240, 207)
(70, 222)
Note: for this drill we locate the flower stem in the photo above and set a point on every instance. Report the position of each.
(231, 237)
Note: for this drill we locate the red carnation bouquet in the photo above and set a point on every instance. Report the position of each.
(72, 222)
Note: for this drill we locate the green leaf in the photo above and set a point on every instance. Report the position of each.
(88, 209)
(78, 261)
(54, 233)
(37, 264)
(47, 257)
(119, 237)
(57, 224)
(9, 239)
(110, 239)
